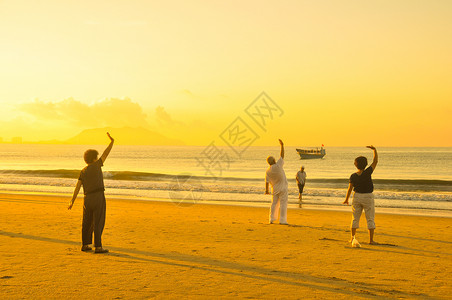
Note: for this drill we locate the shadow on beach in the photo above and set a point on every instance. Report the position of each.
(328, 284)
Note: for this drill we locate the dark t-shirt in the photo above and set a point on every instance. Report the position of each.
(92, 178)
(363, 183)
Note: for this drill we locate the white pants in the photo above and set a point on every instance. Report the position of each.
(363, 201)
(279, 205)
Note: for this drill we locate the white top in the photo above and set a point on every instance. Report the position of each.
(276, 176)
(301, 176)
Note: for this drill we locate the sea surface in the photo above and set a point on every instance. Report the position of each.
(405, 178)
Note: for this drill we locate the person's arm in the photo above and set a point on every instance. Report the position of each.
(349, 191)
(74, 196)
(282, 149)
(375, 161)
(108, 149)
(266, 188)
(296, 177)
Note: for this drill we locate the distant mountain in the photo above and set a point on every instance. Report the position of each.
(122, 136)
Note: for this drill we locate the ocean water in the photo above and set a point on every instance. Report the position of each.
(405, 178)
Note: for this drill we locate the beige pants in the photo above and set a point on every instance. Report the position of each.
(363, 201)
(279, 205)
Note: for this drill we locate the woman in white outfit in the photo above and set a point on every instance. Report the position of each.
(276, 176)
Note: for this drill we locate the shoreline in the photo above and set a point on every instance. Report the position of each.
(422, 212)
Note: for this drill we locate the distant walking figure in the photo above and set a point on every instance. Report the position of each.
(94, 202)
(276, 176)
(363, 198)
(301, 180)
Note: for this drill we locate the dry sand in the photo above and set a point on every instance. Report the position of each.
(211, 251)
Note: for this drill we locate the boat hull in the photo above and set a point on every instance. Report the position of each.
(311, 154)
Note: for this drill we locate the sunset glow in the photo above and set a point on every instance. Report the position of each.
(186, 70)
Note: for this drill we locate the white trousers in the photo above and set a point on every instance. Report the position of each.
(279, 206)
(363, 201)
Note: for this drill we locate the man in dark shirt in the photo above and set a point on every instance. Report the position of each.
(301, 180)
(363, 198)
(94, 202)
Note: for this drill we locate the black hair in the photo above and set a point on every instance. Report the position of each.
(361, 162)
(90, 156)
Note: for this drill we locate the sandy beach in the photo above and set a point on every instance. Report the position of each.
(163, 250)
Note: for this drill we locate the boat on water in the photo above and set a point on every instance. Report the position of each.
(311, 153)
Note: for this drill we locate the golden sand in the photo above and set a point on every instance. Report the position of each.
(208, 251)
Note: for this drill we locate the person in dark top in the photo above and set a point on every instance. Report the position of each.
(363, 198)
(301, 180)
(94, 206)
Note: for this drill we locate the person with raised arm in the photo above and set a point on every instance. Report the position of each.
(363, 199)
(276, 177)
(94, 206)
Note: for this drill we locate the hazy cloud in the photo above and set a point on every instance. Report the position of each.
(186, 92)
(200, 97)
(123, 23)
(165, 118)
(107, 112)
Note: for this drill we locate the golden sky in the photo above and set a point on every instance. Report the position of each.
(345, 73)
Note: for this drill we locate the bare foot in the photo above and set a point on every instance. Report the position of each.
(373, 243)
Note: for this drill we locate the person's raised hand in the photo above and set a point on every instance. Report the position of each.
(109, 136)
(281, 142)
(371, 147)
